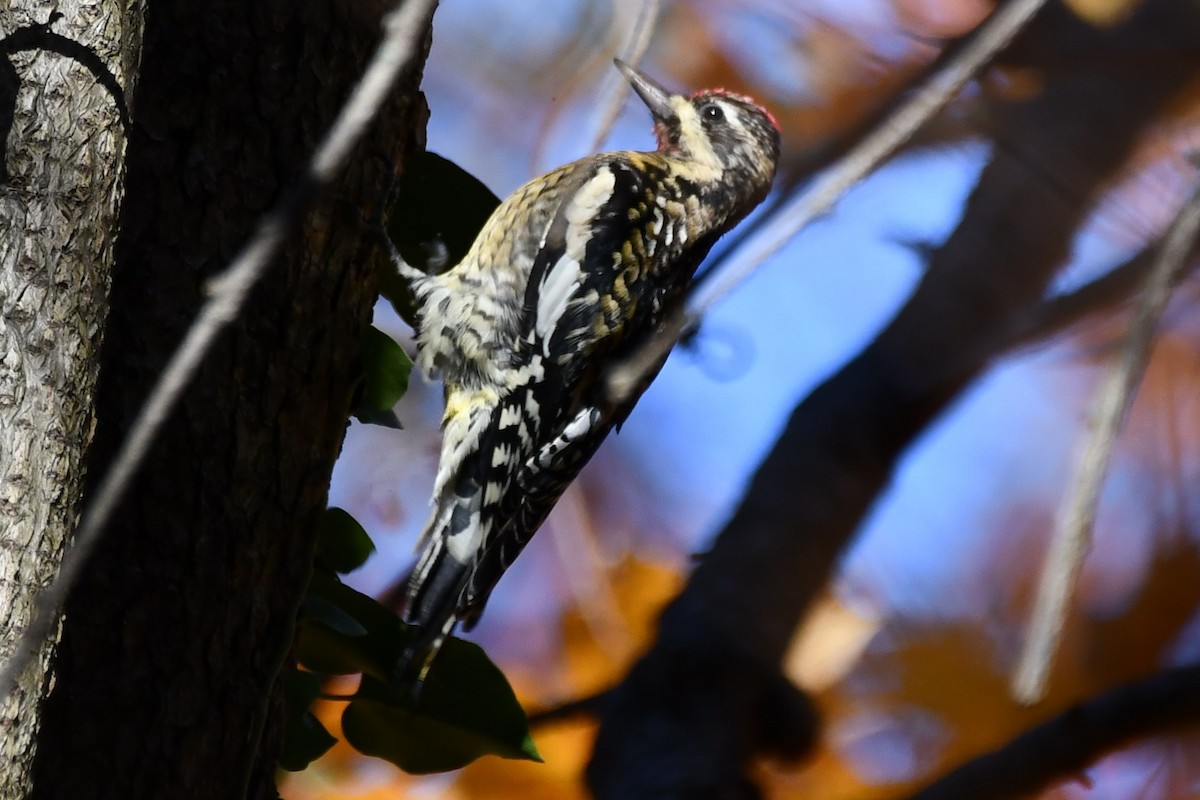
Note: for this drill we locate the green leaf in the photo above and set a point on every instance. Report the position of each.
(453, 722)
(342, 544)
(465, 708)
(439, 210)
(304, 737)
(343, 632)
(327, 613)
(386, 368)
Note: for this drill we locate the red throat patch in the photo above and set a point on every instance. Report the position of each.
(661, 136)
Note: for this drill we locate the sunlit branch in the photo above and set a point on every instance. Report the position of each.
(403, 27)
(1077, 514)
(989, 39)
(1075, 739)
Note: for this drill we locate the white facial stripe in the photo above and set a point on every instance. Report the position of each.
(732, 116)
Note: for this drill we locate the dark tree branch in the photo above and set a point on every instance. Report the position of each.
(590, 704)
(1075, 739)
(709, 694)
(1059, 313)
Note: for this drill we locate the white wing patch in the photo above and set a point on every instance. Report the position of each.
(464, 545)
(560, 283)
(561, 280)
(578, 426)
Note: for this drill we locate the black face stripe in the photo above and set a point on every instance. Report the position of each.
(753, 137)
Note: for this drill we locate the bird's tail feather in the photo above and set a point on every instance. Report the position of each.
(434, 613)
(433, 598)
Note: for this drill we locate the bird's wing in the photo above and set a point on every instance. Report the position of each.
(581, 308)
(544, 390)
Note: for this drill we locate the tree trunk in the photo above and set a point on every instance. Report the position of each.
(59, 192)
(174, 637)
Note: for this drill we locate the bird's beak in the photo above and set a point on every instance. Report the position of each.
(656, 98)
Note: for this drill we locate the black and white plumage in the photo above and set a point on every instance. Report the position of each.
(569, 275)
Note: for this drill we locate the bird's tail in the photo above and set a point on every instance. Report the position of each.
(433, 598)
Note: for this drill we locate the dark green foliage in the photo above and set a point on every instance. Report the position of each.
(386, 369)
(437, 214)
(304, 737)
(464, 710)
(344, 632)
(342, 544)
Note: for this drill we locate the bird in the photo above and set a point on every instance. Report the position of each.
(572, 273)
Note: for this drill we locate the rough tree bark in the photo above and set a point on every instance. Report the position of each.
(174, 637)
(60, 182)
(709, 695)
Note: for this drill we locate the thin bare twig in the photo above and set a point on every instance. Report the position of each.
(990, 38)
(581, 706)
(643, 30)
(1073, 527)
(227, 294)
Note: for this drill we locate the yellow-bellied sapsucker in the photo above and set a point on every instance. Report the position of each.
(570, 274)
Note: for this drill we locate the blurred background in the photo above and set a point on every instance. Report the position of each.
(909, 654)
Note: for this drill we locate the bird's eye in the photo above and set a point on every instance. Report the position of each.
(712, 113)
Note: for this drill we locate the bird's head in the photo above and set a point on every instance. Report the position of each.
(720, 133)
